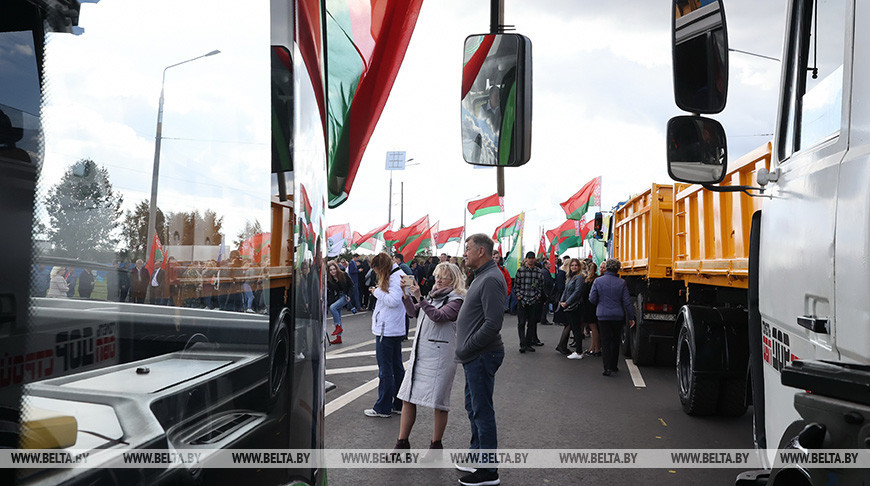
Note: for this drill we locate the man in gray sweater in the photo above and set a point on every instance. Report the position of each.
(480, 350)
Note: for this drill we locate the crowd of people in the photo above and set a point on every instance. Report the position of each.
(233, 284)
(460, 306)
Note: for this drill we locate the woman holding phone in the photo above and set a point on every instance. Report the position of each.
(429, 378)
(388, 326)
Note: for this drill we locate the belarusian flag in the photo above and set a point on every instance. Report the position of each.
(157, 253)
(542, 248)
(256, 247)
(418, 244)
(487, 205)
(567, 229)
(552, 259)
(359, 242)
(400, 238)
(370, 237)
(449, 235)
(509, 228)
(336, 238)
(578, 204)
(366, 43)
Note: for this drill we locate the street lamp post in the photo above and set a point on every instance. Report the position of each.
(152, 210)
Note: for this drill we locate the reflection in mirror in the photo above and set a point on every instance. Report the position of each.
(697, 150)
(700, 56)
(496, 105)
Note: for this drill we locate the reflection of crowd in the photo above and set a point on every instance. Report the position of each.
(233, 284)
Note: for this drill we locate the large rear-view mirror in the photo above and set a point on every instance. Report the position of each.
(697, 150)
(497, 100)
(700, 54)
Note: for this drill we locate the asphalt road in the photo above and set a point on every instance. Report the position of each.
(543, 401)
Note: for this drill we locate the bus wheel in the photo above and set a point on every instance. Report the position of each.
(698, 394)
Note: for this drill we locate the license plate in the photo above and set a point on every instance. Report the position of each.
(659, 317)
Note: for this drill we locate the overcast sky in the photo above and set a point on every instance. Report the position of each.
(602, 97)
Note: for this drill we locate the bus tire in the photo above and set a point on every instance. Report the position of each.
(698, 394)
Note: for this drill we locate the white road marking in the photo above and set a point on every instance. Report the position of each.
(358, 354)
(352, 395)
(352, 369)
(635, 374)
(364, 343)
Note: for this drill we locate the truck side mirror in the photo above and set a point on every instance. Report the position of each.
(700, 54)
(697, 150)
(497, 100)
(598, 224)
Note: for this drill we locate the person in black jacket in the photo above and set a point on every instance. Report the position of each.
(338, 288)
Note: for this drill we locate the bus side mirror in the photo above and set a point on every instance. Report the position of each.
(700, 55)
(697, 150)
(497, 100)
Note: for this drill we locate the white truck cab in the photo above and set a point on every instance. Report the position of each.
(809, 296)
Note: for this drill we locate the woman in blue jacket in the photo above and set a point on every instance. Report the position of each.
(610, 296)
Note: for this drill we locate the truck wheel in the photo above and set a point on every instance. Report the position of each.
(643, 352)
(732, 397)
(698, 394)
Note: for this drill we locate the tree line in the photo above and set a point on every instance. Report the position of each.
(86, 220)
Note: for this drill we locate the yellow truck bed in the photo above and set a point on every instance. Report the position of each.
(711, 229)
(643, 233)
(687, 233)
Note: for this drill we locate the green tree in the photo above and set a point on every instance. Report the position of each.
(134, 231)
(84, 212)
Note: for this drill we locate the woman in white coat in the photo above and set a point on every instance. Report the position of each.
(430, 376)
(388, 326)
(58, 286)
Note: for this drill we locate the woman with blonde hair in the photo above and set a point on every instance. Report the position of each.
(430, 376)
(388, 326)
(57, 286)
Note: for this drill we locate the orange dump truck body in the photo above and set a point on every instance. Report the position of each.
(711, 229)
(643, 235)
(690, 234)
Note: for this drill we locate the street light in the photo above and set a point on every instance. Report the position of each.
(152, 210)
(402, 195)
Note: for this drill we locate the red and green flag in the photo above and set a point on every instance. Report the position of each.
(487, 205)
(542, 248)
(568, 229)
(400, 238)
(256, 247)
(157, 254)
(509, 228)
(448, 236)
(589, 195)
(359, 242)
(367, 240)
(366, 43)
(418, 244)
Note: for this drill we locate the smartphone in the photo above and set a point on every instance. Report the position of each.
(408, 280)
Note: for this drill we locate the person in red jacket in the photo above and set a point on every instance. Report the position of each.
(496, 256)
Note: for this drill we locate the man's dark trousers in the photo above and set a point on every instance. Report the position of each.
(527, 323)
(479, 386)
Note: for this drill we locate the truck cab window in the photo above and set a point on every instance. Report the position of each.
(814, 83)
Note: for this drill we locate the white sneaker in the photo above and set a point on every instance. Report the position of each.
(370, 412)
(460, 466)
(574, 355)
